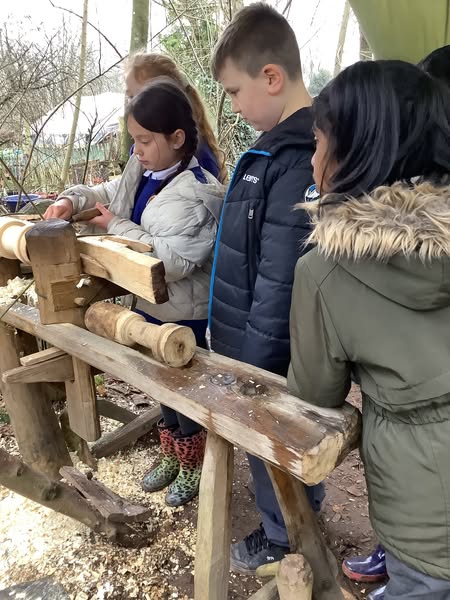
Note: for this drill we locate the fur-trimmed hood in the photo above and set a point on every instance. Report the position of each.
(391, 220)
(395, 240)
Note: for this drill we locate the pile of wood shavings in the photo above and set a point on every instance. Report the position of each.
(16, 288)
(37, 542)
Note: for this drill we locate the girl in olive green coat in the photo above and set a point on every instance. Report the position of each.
(374, 298)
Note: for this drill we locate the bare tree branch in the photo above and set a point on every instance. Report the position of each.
(50, 115)
(91, 25)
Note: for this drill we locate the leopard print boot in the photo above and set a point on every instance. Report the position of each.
(190, 450)
(159, 477)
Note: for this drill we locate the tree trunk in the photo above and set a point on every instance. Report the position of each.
(341, 39)
(71, 142)
(138, 41)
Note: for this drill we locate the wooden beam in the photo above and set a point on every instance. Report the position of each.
(212, 554)
(110, 410)
(55, 259)
(95, 289)
(35, 425)
(127, 434)
(27, 345)
(305, 440)
(82, 402)
(110, 505)
(56, 369)
(139, 273)
(304, 533)
(38, 358)
(135, 245)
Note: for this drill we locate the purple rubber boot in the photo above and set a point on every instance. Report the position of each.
(366, 568)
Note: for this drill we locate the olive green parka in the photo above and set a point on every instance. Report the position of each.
(373, 299)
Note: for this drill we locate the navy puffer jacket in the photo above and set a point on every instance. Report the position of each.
(260, 239)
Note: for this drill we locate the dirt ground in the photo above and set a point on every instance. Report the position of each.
(36, 542)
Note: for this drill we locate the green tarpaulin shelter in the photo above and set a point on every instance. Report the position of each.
(404, 29)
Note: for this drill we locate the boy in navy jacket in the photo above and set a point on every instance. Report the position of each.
(261, 236)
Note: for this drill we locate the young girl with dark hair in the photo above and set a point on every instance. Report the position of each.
(170, 202)
(142, 68)
(373, 298)
(372, 567)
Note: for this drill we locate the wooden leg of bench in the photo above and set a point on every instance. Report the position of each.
(109, 409)
(212, 556)
(127, 434)
(304, 533)
(39, 437)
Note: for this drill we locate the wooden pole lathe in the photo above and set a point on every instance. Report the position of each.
(55, 259)
(39, 437)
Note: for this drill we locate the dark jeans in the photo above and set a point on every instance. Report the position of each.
(172, 418)
(405, 583)
(267, 503)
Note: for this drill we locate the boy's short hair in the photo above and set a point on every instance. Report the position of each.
(258, 35)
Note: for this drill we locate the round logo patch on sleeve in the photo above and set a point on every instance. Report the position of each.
(312, 193)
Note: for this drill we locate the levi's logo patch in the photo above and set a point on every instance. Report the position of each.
(250, 178)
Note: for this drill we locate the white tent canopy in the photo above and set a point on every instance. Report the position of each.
(102, 111)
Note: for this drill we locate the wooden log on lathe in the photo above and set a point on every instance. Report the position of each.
(169, 343)
(12, 239)
(123, 262)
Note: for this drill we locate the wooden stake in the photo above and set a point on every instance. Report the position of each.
(269, 591)
(75, 443)
(212, 555)
(36, 428)
(294, 578)
(55, 259)
(304, 533)
(82, 402)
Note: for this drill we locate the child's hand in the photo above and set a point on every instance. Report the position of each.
(61, 209)
(104, 219)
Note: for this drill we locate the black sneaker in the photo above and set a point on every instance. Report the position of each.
(255, 550)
